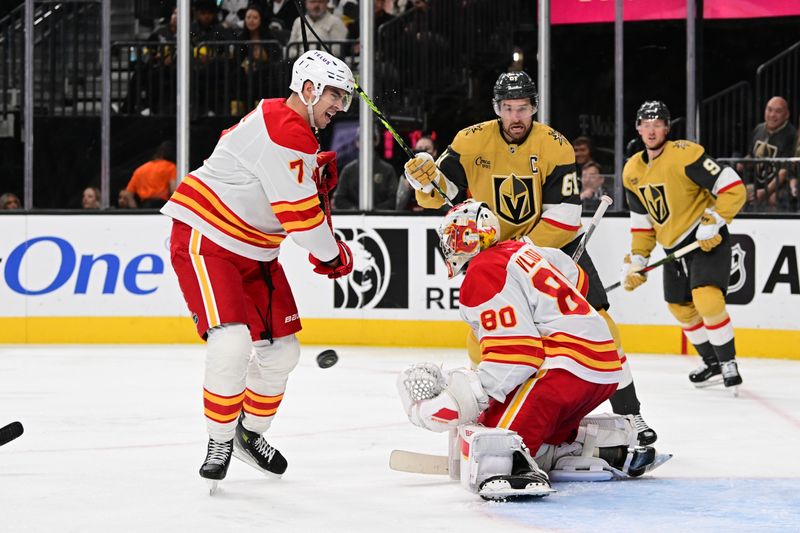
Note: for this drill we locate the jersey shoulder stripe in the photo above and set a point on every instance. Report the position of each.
(286, 128)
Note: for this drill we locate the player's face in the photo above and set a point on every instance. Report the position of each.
(653, 132)
(516, 117)
(332, 101)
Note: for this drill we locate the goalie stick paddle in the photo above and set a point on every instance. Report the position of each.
(605, 202)
(409, 152)
(10, 432)
(418, 463)
(677, 254)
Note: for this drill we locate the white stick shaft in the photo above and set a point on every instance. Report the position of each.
(605, 202)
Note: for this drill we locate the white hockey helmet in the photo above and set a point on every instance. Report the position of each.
(467, 229)
(322, 69)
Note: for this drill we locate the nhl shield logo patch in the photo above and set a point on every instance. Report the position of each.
(655, 201)
(513, 198)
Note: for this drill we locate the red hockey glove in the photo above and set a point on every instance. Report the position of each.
(340, 266)
(328, 173)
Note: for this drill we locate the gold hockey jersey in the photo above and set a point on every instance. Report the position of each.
(532, 187)
(668, 195)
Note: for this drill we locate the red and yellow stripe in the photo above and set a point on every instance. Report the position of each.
(518, 401)
(201, 273)
(517, 350)
(195, 196)
(258, 405)
(222, 409)
(601, 356)
(301, 215)
(583, 282)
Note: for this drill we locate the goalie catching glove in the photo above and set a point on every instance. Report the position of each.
(631, 275)
(337, 267)
(708, 231)
(434, 402)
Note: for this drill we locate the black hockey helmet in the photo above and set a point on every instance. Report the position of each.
(651, 110)
(514, 85)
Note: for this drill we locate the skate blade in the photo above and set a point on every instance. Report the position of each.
(709, 382)
(213, 484)
(660, 459)
(734, 390)
(501, 490)
(245, 457)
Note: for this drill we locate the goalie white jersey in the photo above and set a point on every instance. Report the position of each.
(258, 186)
(527, 308)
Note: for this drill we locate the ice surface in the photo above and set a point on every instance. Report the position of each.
(114, 436)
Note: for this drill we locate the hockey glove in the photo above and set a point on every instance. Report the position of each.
(631, 277)
(339, 266)
(708, 231)
(431, 405)
(328, 174)
(421, 172)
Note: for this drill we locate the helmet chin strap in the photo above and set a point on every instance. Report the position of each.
(310, 107)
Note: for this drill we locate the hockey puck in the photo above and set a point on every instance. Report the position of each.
(327, 358)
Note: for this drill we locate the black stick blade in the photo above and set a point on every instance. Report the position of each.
(10, 432)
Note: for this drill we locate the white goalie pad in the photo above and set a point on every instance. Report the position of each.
(486, 452)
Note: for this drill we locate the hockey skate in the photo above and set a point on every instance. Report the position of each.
(633, 462)
(215, 467)
(731, 376)
(646, 434)
(253, 449)
(523, 482)
(706, 375)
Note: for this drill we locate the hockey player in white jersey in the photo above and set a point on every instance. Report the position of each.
(261, 184)
(547, 360)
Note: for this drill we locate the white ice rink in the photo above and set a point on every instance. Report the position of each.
(114, 437)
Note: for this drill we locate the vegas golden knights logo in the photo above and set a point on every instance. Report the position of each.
(655, 201)
(513, 198)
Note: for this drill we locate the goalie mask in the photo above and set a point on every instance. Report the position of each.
(515, 86)
(653, 110)
(467, 229)
(322, 69)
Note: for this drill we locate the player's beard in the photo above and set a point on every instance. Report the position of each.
(519, 134)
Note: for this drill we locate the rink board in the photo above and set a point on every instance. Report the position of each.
(107, 279)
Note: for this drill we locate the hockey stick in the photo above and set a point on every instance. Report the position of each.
(10, 432)
(409, 152)
(677, 254)
(419, 463)
(605, 202)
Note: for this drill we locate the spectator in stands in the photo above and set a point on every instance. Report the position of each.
(583, 152)
(405, 199)
(90, 198)
(126, 200)
(10, 200)
(384, 183)
(152, 82)
(329, 27)
(284, 11)
(154, 181)
(253, 58)
(592, 185)
(255, 29)
(775, 137)
(232, 13)
(209, 60)
(381, 17)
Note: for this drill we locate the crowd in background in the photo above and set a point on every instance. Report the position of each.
(772, 182)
